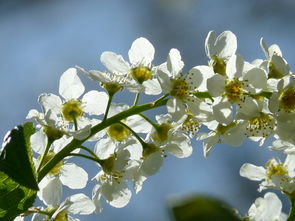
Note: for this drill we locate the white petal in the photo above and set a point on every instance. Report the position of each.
(252, 172)
(82, 204)
(104, 148)
(152, 164)
(267, 208)
(256, 77)
(39, 141)
(180, 147)
(165, 81)
(95, 102)
(50, 191)
(138, 124)
(73, 176)
(234, 67)
(198, 76)
(209, 143)
(116, 194)
(114, 63)
(152, 87)
(174, 62)
(226, 45)
(82, 133)
(38, 217)
(223, 112)
(209, 44)
(50, 102)
(216, 85)
(96, 195)
(175, 108)
(264, 47)
(70, 85)
(141, 52)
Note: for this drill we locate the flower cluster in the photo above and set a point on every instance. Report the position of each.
(232, 99)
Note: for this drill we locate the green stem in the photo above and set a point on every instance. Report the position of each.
(135, 134)
(108, 107)
(291, 216)
(75, 122)
(149, 120)
(104, 124)
(95, 159)
(44, 155)
(89, 151)
(136, 99)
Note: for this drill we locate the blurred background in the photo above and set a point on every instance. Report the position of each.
(40, 39)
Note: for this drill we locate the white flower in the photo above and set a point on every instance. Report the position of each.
(275, 175)
(78, 204)
(232, 134)
(277, 65)
(141, 55)
(280, 145)
(64, 173)
(61, 114)
(181, 87)
(113, 179)
(112, 82)
(220, 49)
(260, 122)
(240, 80)
(268, 208)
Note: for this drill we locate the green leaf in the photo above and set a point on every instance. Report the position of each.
(203, 95)
(201, 208)
(14, 198)
(16, 156)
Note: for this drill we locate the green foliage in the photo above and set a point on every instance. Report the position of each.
(201, 208)
(14, 198)
(16, 156)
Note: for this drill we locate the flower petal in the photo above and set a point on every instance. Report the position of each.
(174, 62)
(114, 63)
(141, 52)
(73, 176)
(70, 85)
(81, 204)
(95, 102)
(252, 172)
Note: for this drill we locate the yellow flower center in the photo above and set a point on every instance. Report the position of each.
(260, 126)
(179, 88)
(218, 65)
(287, 100)
(233, 91)
(190, 125)
(72, 109)
(160, 135)
(141, 73)
(112, 88)
(275, 169)
(118, 132)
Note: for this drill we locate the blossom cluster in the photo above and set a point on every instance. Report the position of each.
(231, 98)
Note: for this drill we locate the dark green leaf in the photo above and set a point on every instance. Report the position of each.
(14, 198)
(201, 208)
(16, 156)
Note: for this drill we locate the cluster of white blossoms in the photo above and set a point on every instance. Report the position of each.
(230, 97)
